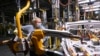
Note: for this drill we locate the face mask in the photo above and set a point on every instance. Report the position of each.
(39, 25)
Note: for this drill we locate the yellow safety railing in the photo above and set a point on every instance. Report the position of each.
(18, 16)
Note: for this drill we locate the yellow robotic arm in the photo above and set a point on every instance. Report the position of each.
(38, 34)
(18, 16)
(22, 45)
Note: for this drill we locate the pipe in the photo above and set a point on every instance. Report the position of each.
(18, 16)
(64, 5)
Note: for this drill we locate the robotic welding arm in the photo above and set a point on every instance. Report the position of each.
(39, 34)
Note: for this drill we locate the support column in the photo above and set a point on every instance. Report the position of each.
(55, 9)
(65, 15)
(77, 12)
(56, 20)
(34, 9)
(44, 17)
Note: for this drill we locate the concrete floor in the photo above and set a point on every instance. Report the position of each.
(4, 49)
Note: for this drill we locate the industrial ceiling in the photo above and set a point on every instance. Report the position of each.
(10, 7)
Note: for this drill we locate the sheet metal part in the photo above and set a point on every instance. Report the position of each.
(58, 33)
